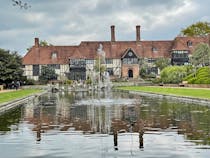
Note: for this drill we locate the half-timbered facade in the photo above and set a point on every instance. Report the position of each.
(123, 59)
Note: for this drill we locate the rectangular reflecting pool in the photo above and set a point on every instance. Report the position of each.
(105, 124)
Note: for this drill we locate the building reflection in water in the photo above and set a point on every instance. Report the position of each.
(140, 116)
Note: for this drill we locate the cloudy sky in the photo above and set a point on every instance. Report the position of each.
(68, 22)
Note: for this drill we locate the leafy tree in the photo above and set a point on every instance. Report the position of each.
(44, 43)
(197, 29)
(10, 66)
(47, 73)
(21, 4)
(143, 72)
(201, 55)
(161, 63)
(144, 67)
(174, 74)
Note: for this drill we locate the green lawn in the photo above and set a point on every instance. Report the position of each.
(190, 92)
(9, 96)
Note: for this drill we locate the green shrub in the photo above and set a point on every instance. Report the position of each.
(30, 82)
(191, 80)
(202, 76)
(189, 77)
(157, 80)
(174, 74)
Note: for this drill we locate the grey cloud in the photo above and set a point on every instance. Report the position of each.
(91, 19)
(146, 3)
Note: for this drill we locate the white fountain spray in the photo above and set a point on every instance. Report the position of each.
(101, 56)
(105, 81)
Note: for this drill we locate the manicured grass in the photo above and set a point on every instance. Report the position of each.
(9, 96)
(179, 91)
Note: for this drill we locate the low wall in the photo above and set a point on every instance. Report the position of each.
(4, 107)
(130, 83)
(185, 85)
(199, 85)
(18, 102)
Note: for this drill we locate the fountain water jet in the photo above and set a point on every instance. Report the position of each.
(100, 77)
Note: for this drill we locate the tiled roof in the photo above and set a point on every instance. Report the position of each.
(180, 43)
(115, 50)
(43, 55)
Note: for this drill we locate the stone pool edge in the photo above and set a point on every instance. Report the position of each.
(184, 99)
(4, 107)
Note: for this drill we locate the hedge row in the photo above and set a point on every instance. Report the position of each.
(201, 76)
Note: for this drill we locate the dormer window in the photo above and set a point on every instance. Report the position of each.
(154, 49)
(54, 55)
(189, 43)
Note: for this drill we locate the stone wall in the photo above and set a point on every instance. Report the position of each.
(186, 85)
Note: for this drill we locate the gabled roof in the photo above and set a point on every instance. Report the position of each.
(127, 51)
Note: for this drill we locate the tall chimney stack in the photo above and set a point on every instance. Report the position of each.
(138, 32)
(36, 42)
(112, 33)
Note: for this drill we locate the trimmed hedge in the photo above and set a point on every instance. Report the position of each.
(202, 76)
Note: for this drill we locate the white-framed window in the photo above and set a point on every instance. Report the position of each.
(130, 61)
(189, 43)
(89, 61)
(151, 60)
(54, 55)
(109, 61)
(54, 66)
(154, 49)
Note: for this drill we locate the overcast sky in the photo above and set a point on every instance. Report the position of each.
(68, 22)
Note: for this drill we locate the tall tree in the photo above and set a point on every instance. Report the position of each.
(201, 55)
(197, 29)
(10, 66)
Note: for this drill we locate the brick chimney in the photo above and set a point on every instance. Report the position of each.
(138, 33)
(36, 40)
(112, 33)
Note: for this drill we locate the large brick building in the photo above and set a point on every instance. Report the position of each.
(124, 59)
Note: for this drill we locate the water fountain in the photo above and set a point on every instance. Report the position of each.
(100, 77)
(101, 84)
